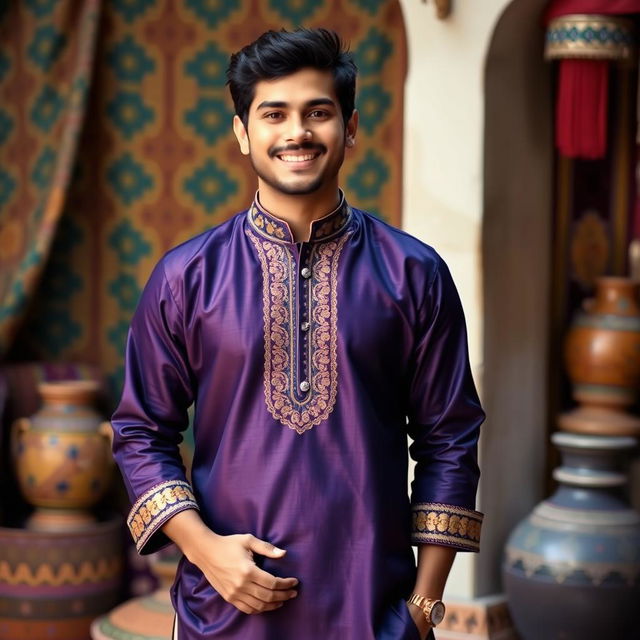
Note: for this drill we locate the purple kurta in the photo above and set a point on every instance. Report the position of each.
(308, 364)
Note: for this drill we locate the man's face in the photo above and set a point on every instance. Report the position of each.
(296, 136)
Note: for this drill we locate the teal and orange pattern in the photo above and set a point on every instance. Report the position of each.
(158, 162)
(46, 60)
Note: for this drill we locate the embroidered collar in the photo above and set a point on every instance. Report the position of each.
(325, 228)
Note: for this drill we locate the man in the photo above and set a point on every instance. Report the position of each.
(311, 337)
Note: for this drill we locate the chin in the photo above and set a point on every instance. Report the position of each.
(297, 188)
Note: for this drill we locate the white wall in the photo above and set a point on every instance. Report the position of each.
(443, 147)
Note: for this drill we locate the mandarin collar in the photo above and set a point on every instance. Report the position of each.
(325, 228)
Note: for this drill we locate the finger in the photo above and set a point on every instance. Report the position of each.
(257, 606)
(270, 595)
(264, 548)
(242, 606)
(269, 581)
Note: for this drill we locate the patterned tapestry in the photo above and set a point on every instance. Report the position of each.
(157, 161)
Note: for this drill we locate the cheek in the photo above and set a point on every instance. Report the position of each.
(260, 141)
(335, 137)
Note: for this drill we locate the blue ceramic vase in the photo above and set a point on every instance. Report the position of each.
(571, 569)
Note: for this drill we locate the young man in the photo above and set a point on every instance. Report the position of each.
(312, 337)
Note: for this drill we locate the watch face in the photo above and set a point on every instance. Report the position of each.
(437, 613)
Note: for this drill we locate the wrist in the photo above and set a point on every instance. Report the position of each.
(431, 609)
(187, 530)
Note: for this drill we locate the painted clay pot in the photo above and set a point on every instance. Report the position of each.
(147, 617)
(62, 456)
(571, 569)
(52, 585)
(602, 353)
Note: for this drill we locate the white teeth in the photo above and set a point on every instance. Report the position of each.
(298, 158)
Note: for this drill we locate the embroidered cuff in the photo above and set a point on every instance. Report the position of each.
(446, 525)
(156, 506)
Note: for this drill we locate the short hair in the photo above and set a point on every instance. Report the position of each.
(276, 54)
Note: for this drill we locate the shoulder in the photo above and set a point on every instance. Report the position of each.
(399, 246)
(179, 259)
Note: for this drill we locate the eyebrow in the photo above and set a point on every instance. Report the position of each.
(280, 104)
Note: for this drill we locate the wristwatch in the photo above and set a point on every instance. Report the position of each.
(433, 609)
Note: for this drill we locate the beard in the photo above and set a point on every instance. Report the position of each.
(302, 187)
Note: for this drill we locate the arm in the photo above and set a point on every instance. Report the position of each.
(434, 565)
(444, 420)
(152, 414)
(147, 427)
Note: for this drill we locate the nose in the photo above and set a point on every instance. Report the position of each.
(298, 132)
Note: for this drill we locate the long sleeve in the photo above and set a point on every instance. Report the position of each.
(152, 413)
(444, 420)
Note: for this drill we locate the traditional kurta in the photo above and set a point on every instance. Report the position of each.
(308, 364)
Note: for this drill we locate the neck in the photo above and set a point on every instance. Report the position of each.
(299, 211)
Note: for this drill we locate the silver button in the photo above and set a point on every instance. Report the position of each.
(304, 386)
(304, 326)
(306, 272)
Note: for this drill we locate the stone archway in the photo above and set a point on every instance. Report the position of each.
(516, 250)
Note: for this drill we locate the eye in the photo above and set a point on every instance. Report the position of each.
(273, 115)
(318, 114)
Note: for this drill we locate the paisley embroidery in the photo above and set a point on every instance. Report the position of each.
(280, 303)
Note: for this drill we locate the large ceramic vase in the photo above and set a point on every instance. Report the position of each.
(62, 456)
(52, 584)
(602, 353)
(572, 568)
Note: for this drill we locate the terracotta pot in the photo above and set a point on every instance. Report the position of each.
(603, 345)
(572, 568)
(62, 455)
(603, 360)
(52, 585)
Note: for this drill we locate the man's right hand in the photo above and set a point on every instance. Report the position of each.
(227, 563)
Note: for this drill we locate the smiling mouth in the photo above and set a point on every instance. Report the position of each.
(298, 156)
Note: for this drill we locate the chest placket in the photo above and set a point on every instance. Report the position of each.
(299, 296)
(301, 326)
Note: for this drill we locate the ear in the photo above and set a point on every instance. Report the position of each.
(351, 128)
(241, 135)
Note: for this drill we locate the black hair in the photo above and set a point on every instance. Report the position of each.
(280, 53)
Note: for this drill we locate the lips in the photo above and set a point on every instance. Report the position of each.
(287, 157)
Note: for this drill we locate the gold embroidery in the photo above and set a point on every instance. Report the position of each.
(263, 223)
(446, 524)
(322, 229)
(333, 225)
(279, 273)
(152, 509)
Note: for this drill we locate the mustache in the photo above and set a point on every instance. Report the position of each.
(305, 146)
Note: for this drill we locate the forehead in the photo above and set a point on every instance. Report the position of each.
(296, 89)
